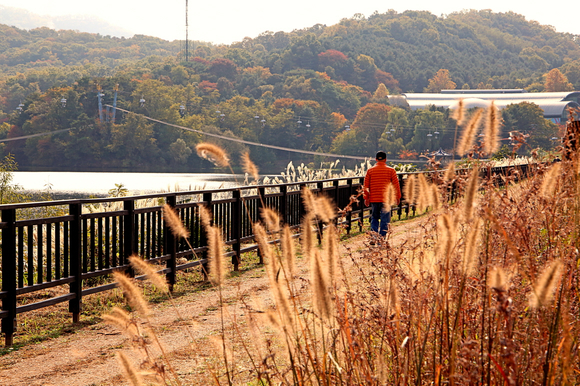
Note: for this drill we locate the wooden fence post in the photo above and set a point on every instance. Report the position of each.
(261, 204)
(348, 215)
(129, 234)
(76, 271)
(171, 245)
(9, 275)
(236, 224)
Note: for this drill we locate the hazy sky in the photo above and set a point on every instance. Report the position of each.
(227, 21)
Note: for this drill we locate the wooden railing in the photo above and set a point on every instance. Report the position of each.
(81, 242)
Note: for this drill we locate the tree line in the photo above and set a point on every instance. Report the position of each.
(324, 88)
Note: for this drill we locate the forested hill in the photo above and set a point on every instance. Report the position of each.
(305, 86)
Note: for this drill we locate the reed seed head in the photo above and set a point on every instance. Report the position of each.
(174, 222)
(543, 291)
(468, 136)
(497, 279)
(470, 194)
(389, 198)
(147, 269)
(130, 371)
(205, 216)
(132, 293)
(459, 112)
(320, 286)
(213, 153)
(410, 189)
(288, 252)
(550, 182)
(491, 135)
(217, 269)
(271, 218)
(249, 167)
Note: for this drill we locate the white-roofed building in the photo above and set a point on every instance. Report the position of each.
(554, 104)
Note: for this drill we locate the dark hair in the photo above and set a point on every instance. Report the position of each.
(381, 155)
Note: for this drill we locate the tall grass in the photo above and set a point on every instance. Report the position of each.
(484, 292)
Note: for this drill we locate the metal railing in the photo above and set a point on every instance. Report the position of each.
(79, 243)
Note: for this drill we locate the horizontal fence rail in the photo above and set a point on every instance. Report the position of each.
(74, 245)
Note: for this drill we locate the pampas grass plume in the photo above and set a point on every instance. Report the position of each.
(471, 190)
(459, 112)
(390, 198)
(307, 235)
(331, 253)
(174, 222)
(410, 189)
(132, 293)
(271, 218)
(471, 248)
(131, 372)
(288, 252)
(213, 153)
(206, 216)
(217, 269)
(320, 286)
(545, 286)
(324, 209)
(249, 167)
(550, 181)
(491, 137)
(147, 269)
(468, 136)
(497, 279)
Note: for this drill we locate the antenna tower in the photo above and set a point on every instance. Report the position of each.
(186, 33)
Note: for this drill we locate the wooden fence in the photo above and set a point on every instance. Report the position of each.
(68, 243)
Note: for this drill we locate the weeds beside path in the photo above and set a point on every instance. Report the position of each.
(88, 355)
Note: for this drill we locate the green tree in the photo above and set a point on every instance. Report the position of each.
(528, 118)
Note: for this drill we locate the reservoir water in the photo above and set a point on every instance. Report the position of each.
(136, 183)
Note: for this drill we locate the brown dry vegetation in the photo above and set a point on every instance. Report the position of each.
(488, 294)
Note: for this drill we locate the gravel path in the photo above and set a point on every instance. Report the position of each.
(88, 356)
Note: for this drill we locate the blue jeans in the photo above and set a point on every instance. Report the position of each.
(379, 214)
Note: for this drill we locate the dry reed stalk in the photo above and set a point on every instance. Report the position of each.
(459, 112)
(288, 252)
(470, 193)
(393, 298)
(272, 219)
(213, 153)
(206, 216)
(131, 372)
(468, 137)
(543, 291)
(249, 167)
(133, 293)
(320, 286)
(471, 248)
(331, 253)
(550, 182)
(174, 222)
(147, 269)
(307, 235)
(410, 189)
(491, 134)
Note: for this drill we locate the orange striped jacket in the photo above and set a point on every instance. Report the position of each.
(376, 181)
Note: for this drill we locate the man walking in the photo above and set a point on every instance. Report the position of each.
(376, 183)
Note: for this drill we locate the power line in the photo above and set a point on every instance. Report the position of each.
(34, 135)
(252, 143)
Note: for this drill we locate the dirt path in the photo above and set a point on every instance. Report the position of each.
(88, 356)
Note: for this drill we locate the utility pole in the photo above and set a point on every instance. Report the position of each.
(186, 32)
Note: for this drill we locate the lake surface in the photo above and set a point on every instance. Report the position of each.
(136, 183)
